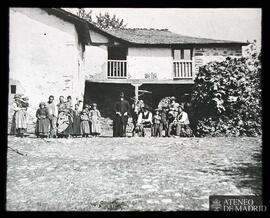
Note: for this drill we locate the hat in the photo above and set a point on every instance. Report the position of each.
(157, 109)
(145, 106)
(84, 111)
(173, 98)
(94, 104)
(122, 94)
(17, 95)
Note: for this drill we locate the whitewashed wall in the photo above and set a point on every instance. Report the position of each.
(44, 56)
(143, 61)
(96, 62)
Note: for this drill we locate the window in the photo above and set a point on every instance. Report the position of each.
(187, 54)
(13, 89)
(182, 54)
(117, 53)
(176, 54)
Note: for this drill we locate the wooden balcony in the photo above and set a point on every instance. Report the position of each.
(183, 69)
(117, 69)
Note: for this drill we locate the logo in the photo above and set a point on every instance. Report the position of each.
(236, 203)
(216, 205)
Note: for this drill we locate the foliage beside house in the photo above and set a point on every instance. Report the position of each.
(227, 97)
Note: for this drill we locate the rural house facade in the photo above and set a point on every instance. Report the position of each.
(54, 52)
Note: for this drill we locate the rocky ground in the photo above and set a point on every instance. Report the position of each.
(129, 173)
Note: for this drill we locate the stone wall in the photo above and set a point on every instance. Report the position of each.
(205, 55)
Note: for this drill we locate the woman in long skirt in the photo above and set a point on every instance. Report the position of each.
(64, 121)
(95, 120)
(43, 122)
(76, 125)
(20, 116)
(16, 106)
(85, 127)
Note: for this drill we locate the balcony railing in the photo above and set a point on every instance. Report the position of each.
(183, 69)
(117, 69)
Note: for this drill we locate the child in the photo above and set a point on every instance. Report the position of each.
(157, 131)
(76, 125)
(43, 123)
(94, 115)
(85, 127)
(164, 124)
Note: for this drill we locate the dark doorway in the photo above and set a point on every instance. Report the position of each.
(117, 53)
(106, 94)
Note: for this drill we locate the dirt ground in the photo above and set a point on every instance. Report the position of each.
(129, 173)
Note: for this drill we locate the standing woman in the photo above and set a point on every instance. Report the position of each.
(43, 122)
(16, 106)
(20, 108)
(95, 120)
(64, 122)
(76, 125)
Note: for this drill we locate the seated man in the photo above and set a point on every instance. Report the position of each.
(144, 120)
(183, 128)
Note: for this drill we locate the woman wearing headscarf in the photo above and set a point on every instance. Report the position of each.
(43, 122)
(64, 121)
(20, 106)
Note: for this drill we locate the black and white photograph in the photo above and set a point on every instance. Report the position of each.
(134, 109)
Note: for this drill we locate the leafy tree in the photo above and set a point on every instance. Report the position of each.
(104, 21)
(227, 96)
(85, 15)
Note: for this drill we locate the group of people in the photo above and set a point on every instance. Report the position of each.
(62, 120)
(170, 119)
(57, 120)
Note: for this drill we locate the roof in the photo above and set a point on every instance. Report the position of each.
(163, 36)
(136, 36)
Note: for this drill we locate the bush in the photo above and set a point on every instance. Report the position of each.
(227, 97)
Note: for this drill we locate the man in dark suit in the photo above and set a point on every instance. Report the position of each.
(122, 111)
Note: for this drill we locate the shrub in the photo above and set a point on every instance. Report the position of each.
(226, 97)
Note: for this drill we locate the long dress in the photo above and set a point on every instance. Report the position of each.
(64, 121)
(95, 122)
(19, 125)
(76, 125)
(15, 107)
(43, 122)
(85, 127)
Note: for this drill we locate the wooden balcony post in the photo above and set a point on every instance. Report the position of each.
(136, 85)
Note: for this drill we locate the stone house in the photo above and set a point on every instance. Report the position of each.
(54, 52)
